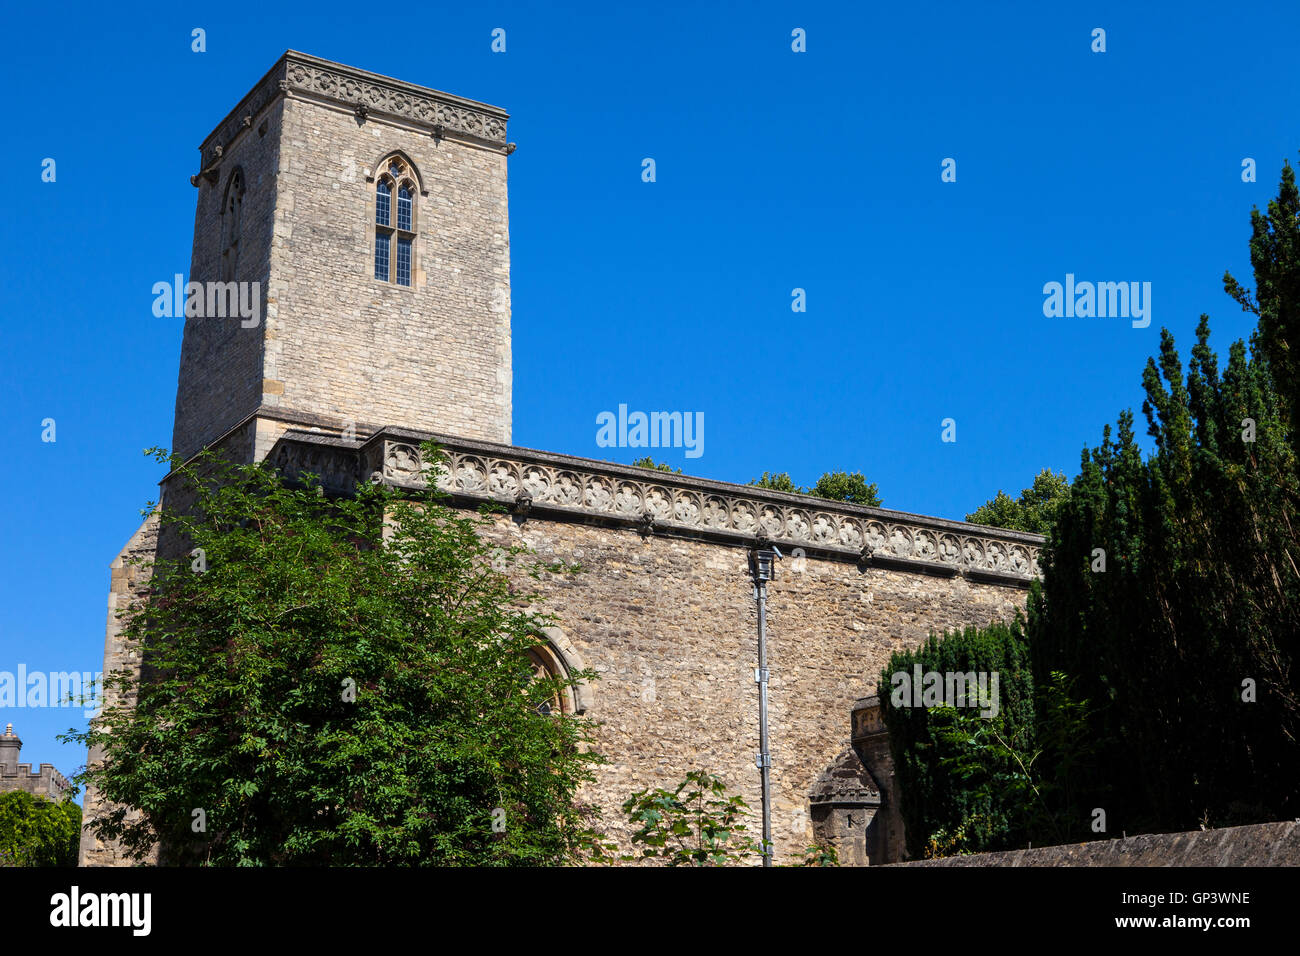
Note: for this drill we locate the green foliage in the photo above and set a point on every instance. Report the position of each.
(1163, 635)
(696, 824)
(648, 462)
(778, 482)
(992, 775)
(347, 684)
(1063, 733)
(842, 486)
(821, 856)
(997, 769)
(1200, 592)
(835, 486)
(1035, 509)
(1275, 259)
(35, 831)
(963, 777)
(1201, 589)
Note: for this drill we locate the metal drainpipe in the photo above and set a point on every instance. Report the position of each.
(764, 759)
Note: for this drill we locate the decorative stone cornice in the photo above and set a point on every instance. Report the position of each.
(365, 94)
(537, 484)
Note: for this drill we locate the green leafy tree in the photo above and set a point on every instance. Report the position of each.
(35, 831)
(818, 855)
(1171, 596)
(1035, 509)
(1173, 590)
(835, 486)
(648, 462)
(994, 766)
(1064, 738)
(696, 824)
(843, 486)
(346, 683)
(778, 481)
(1163, 637)
(993, 776)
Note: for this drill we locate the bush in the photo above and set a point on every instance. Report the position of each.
(963, 778)
(340, 681)
(35, 831)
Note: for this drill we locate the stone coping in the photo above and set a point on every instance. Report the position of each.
(1258, 844)
(566, 487)
(365, 93)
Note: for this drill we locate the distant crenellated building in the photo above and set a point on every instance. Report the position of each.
(44, 782)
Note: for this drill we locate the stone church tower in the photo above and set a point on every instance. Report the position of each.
(371, 214)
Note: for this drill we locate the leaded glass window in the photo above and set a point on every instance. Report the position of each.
(403, 260)
(395, 227)
(404, 208)
(231, 212)
(546, 665)
(381, 256)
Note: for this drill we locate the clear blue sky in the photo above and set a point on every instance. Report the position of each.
(776, 170)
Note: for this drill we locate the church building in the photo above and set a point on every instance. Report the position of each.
(367, 220)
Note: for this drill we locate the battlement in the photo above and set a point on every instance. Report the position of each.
(46, 781)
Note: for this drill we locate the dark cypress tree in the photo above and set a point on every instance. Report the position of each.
(1162, 641)
(1196, 610)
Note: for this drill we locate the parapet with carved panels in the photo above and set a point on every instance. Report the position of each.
(366, 94)
(543, 484)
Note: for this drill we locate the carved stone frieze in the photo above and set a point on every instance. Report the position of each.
(366, 94)
(336, 466)
(660, 502)
(257, 100)
(536, 484)
(376, 96)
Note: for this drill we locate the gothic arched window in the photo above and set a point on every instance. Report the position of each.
(232, 208)
(394, 222)
(546, 666)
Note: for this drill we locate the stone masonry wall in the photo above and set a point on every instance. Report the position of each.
(667, 617)
(664, 611)
(1261, 844)
(220, 379)
(129, 575)
(332, 340)
(342, 343)
(44, 781)
(671, 623)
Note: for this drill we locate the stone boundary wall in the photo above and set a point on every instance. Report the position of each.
(1261, 844)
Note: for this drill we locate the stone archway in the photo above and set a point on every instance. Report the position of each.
(559, 658)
